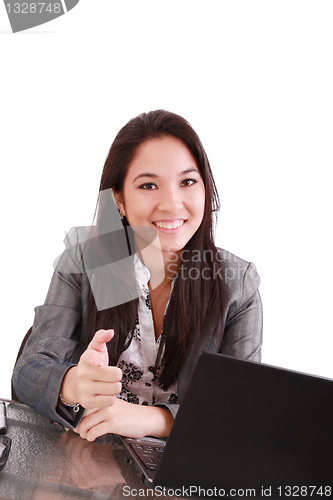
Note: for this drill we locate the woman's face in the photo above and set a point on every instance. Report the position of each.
(163, 189)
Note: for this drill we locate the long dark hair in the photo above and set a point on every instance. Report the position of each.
(198, 298)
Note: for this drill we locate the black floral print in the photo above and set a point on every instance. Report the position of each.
(147, 298)
(173, 399)
(136, 333)
(128, 396)
(131, 373)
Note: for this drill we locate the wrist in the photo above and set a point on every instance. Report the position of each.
(75, 407)
(161, 421)
(68, 389)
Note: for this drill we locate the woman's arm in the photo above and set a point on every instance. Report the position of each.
(126, 419)
(242, 337)
(55, 339)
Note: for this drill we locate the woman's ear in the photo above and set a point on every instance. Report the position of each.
(117, 198)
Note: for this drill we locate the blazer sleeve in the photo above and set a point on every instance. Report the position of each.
(242, 337)
(54, 341)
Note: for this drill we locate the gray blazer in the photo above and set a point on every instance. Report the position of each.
(59, 334)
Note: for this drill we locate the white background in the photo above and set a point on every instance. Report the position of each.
(255, 80)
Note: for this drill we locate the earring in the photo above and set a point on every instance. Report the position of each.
(121, 215)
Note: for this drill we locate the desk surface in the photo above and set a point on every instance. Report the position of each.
(48, 463)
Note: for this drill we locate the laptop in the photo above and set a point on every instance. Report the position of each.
(244, 429)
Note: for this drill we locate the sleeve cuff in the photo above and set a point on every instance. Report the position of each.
(68, 415)
(173, 408)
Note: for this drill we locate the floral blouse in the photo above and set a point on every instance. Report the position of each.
(138, 361)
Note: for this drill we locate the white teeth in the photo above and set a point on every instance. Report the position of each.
(169, 225)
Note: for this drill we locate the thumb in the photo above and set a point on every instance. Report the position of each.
(95, 359)
(96, 353)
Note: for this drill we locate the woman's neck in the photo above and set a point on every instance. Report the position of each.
(163, 265)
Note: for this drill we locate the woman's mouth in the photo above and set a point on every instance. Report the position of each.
(170, 224)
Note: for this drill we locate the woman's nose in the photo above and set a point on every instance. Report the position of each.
(170, 200)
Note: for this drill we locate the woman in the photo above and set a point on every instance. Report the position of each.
(137, 330)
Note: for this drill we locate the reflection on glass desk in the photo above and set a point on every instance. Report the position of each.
(48, 463)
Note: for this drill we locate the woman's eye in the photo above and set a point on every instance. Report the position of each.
(189, 182)
(148, 186)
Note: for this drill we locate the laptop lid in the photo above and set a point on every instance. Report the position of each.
(252, 428)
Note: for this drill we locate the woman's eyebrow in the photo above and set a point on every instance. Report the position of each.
(154, 176)
(189, 170)
(147, 174)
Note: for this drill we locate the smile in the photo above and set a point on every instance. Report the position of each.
(170, 224)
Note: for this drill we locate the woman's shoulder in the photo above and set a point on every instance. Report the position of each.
(71, 260)
(240, 276)
(78, 235)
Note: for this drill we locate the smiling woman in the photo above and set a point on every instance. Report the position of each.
(191, 296)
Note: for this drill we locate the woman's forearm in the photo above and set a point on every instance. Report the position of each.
(126, 419)
(160, 421)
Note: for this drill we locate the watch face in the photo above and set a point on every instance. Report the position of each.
(5, 443)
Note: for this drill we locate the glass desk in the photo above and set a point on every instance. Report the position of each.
(48, 463)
